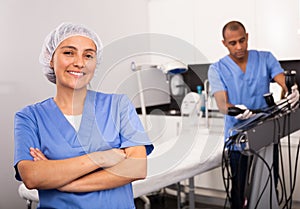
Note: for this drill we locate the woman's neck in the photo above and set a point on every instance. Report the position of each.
(70, 102)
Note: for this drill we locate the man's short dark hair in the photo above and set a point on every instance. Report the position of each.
(233, 26)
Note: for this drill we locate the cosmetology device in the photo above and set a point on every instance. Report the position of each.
(271, 109)
(258, 137)
(290, 80)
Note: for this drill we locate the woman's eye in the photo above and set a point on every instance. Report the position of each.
(90, 56)
(68, 52)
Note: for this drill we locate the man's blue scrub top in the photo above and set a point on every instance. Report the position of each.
(244, 88)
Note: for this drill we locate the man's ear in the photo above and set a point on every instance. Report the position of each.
(224, 43)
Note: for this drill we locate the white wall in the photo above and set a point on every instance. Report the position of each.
(24, 24)
(277, 26)
(272, 25)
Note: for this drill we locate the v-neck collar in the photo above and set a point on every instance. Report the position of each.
(236, 67)
(80, 138)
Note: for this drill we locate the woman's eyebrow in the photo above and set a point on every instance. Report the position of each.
(93, 50)
(72, 47)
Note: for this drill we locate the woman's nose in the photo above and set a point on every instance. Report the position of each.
(79, 62)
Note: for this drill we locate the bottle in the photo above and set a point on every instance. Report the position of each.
(202, 100)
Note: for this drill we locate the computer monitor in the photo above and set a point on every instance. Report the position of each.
(196, 76)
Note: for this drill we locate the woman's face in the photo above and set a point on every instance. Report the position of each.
(74, 62)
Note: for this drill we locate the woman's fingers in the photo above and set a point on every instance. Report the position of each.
(37, 154)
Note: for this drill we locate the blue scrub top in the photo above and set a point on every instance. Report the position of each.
(244, 88)
(108, 121)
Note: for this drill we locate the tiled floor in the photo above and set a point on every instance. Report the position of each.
(170, 202)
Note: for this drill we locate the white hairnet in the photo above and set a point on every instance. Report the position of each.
(54, 38)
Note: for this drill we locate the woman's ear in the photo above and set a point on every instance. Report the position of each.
(51, 64)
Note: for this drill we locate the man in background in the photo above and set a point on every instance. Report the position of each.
(240, 79)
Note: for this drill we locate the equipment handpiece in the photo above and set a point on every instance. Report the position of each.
(234, 111)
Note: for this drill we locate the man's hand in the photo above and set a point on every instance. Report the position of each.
(245, 115)
(293, 98)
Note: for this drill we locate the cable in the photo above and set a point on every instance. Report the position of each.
(267, 181)
(287, 198)
(225, 167)
(283, 184)
(234, 141)
(296, 166)
(227, 175)
(290, 159)
(293, 180)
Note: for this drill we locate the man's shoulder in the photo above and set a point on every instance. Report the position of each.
(221, 62)
(259, 52)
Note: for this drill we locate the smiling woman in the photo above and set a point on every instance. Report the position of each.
(74, 62)
(57, 36)
(79, 147)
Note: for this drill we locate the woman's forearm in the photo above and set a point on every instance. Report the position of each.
(131, 169)
(51, 174)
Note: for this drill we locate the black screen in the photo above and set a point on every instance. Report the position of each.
(196, 76)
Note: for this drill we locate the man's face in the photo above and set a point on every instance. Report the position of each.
(236, 42)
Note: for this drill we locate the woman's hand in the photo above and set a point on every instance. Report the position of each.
(37, 154)
(103, 159)
(134, 167)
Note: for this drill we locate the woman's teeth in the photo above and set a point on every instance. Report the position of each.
(76, 73)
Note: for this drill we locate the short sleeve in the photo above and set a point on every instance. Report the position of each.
(25, 136)
(132, 132)
(273, 65)
(214, 79)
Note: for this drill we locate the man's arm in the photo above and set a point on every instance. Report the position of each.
(51, 174)
(134, 167)
(222, 101)
(280, 79)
